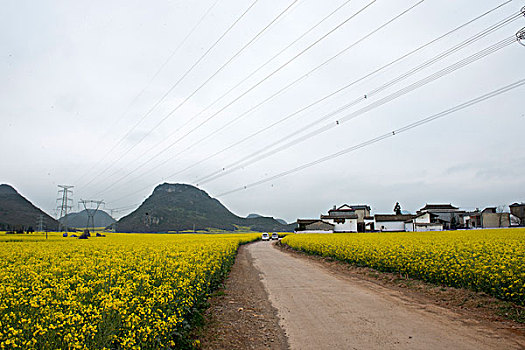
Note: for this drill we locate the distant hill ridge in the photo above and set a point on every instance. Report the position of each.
(253, 216)
(79, 220)
(180, 207)
(17, 213)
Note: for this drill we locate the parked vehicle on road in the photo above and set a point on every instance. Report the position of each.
(275, 236)
(265, 236)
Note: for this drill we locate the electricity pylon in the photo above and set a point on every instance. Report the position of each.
(64, 206)
(91, 207)
(40, 223)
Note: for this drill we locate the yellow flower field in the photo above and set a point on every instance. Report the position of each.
(492, 261)
(123, 291)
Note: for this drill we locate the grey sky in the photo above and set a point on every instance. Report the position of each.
(71, 69)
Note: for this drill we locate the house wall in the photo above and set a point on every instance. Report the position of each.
(319, 226)
(390, 226)
(429, 227)
(448, 215)
(423, 219)
(372, 226)
(519, 211)
(350, 225)
(361, 213)
(489, 220)
(313, 231)
(472, 221)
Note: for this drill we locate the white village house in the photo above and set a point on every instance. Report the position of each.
(346, 218)
(424, 222)
(432, 217)
(391, 222)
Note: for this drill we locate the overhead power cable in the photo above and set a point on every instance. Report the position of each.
(382, 137)
(261, 81)
(477, 37)
(282, 13)
(435, 59)
(251, 74)
(148, 84)
(337, 91)
(257, 154)
(150, 159)
(159, 101)
(420, 83)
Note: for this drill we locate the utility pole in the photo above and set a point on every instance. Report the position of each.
(65, 194)
(91, 207)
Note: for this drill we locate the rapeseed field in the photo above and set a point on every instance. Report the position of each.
(123, 291)
(492, 261)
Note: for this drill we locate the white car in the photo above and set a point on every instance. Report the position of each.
(265, 236)
(275, 236)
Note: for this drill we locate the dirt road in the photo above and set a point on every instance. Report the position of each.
(319, 309)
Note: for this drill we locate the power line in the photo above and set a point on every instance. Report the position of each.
(319, 100)
(246, 92)
(187, 98)
(178, 81)
(339, 90)
(264, 79)
(209, 78)
(369, 142)
(436, 58)
(478, 36)
(254, 72)
(132, 102)
(387, 99)
(369, 94)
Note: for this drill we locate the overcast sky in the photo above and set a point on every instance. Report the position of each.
(81, 103)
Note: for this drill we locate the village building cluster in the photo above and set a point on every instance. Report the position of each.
(431, 217)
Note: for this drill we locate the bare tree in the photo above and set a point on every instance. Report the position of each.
(500, 209)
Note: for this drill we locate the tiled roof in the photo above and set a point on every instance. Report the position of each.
(345, 216)
(306, 221)
(393, 217)
(438, 206)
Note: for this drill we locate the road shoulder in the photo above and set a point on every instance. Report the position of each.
(240, 315)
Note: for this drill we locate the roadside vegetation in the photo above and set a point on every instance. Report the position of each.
(122, 291)
(490, 261)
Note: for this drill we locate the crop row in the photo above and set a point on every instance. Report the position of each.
(123, 291)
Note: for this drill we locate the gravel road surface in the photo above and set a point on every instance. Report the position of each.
(320, 309)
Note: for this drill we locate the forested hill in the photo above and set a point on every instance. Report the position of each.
(17, 213)
(179, 207)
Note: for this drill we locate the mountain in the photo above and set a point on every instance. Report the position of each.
(17, 213)
(253, 216)
(178, 207)
(79, 220)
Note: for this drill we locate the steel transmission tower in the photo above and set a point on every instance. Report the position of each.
(40, 223)
(91, 207)
(65, 194)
